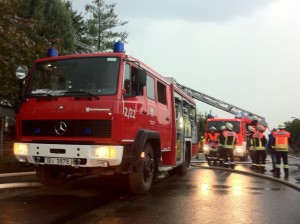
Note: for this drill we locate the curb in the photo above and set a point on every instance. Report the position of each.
(16, 174)
(296, 187)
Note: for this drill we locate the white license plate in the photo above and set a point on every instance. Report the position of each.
(58, 161)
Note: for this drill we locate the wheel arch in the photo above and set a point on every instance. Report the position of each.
(142, 137)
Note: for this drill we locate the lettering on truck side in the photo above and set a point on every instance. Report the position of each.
(129, 112)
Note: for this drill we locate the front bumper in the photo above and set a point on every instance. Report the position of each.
(69, 155)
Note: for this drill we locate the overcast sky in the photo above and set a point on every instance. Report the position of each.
(243, 52)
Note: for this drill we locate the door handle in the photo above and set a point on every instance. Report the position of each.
(167, 118)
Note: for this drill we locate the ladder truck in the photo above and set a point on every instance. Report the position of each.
(242, 118)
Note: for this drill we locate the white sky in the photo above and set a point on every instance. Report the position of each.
(243, 52)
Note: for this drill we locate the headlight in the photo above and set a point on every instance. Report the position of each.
(205, 148)
(106, 152)
(20, 149)
(239, 149)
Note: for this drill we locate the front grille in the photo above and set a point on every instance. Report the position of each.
(67, 128)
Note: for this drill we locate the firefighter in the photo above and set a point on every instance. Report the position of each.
(281, 145)
(228, 141)
(220, 146)
(259, 143)
(250, 146)
(212, 139)
(254, 121)
(271, 150)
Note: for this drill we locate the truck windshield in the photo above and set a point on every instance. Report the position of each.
(91, 75)
(219, 124)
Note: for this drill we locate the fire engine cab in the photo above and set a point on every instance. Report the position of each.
(103, 113)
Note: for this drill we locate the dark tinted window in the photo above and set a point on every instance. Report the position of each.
(218, 124)
(161, 93)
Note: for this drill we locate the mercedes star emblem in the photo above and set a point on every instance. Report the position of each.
(60, 128)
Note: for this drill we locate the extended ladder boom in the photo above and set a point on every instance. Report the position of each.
(237, 111)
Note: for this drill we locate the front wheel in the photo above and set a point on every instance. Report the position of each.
(141, 180)
(50, 176)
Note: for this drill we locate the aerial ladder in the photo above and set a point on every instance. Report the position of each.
(237, 111)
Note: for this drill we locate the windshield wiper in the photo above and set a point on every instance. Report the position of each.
(43, 96)
(89, 95)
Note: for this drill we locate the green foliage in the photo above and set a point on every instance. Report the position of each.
(54, 19)
(201, 125)
(19, 45)
(29, 27)
(99, 27)
(294, 128)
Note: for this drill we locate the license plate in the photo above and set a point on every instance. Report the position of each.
(58, 161)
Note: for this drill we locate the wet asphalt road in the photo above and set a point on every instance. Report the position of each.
(204, 196)
(201, 196)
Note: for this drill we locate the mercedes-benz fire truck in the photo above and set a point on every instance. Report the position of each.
(103, 113)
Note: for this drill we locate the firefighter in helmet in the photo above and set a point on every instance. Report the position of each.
(228, 141)
(212, 138)
(220, 146)
(281, 145)
(250, 146)
(254, 121)
(259, 143)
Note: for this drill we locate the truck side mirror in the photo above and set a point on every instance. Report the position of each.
(21, 74)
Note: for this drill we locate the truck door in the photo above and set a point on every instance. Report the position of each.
(164, 115)
(134, 104)
(179, 127)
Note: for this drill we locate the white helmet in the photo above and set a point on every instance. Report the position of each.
(250, 128)
(229, 126)
(255, 118)
(260, 128)
(222, 128)
(212, 128)
(281, 126)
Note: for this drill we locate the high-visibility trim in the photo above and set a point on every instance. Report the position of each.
(281, 140)
(257, 138)
(227, 135)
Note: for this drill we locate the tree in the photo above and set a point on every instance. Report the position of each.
(54, 19)
(201, 124)
(18, 46)
(80, 29)
(100, 32)
(294, 128)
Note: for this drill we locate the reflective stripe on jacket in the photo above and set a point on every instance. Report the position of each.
(281, 142)
(259, 141)
(230, 139)
(213, 137)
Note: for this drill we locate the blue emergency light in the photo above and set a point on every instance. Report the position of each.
(119, 47)
(52, 52)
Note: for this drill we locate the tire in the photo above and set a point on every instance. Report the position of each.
(141, 180)
(50, 176)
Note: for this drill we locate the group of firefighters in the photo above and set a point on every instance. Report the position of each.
(222, 145)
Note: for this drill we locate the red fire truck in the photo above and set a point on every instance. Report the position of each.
(103, 113)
